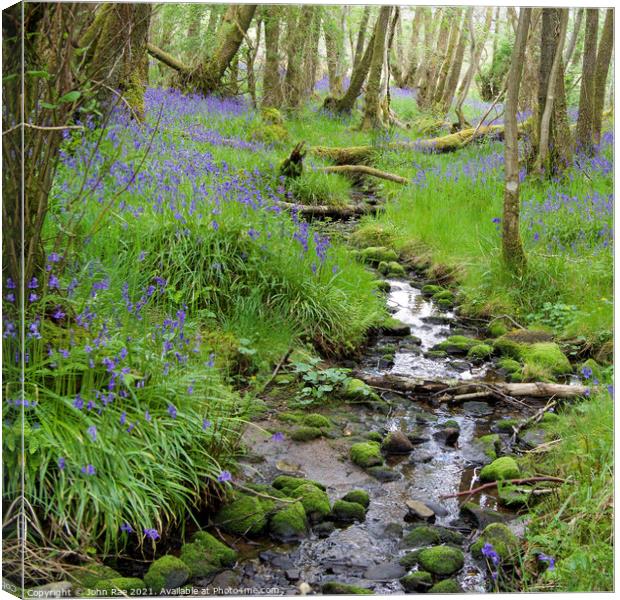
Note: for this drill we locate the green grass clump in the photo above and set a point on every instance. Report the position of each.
(318, 188)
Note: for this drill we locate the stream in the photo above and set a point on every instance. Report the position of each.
(366, 553)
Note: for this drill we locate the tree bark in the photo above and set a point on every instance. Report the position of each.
(512, 247)
(412, 58)
(457, 64)
(585, 116)
(429, 77)
(603, 59)
(428, 45)
(442, 76)
(361, 36)
(272, 85)
(334, 47)
(570, 48)
(297, 36)
(311, 53)
(372, 110)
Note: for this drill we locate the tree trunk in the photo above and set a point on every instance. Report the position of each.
(429, 77)
(372, 109)
(429, 38)
(442, 76)
(528, 94)
(299, 23)
(603, 59)
(361, 36)
(311, 54)
(334, 47)
(251, 53)
(457, 64)
(585, 116)
(272, 85)
(551, 83)
(512, 248)
(412, 59)
(570, 48)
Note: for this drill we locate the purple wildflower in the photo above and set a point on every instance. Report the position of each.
(550, 560)
(172, 411)
(152, 534)
(78, 402)
(92, 432)
(61, 463)
(89, 470)
(33, 284)
(206, 424)
(490, 554)
(126, 528)
(277, 437)
(224, 476)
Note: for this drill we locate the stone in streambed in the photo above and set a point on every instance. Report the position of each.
(504, 542)
(419, 581)
(382, 285)
(480, 517)
(396, 442)
(305, 434)
(395, 327)
(447, 586)
(505, 425)
(324, 529)
(366, 454)
(410, 559)
(337, 588)
(289, 523)
(383, 474)
(359, 496)
(417, 510)
(442, 560)
(505, 467)
(348, 512)
(449, 433)
(431, 290)
(477, 409)
(386, 571)
(456, 344)
(243, 516)
(421, 536)
(286, 481)
(314, 500)
(355, 390)
(206, 555)
(316, 420)
(391, 269)
(377, 254)
(166, 573)
(480, 353)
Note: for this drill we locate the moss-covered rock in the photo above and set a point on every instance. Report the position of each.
(378, 254)
(366, 454)
(382, 285)
(514, 496)
(509, 366)
(269, 134)
(421, 536)
(410, 559)
(442, 560)
(431, 290)
(444, 297)
(419, 581)
(272, 116)
(480, 352)
(348, 512)
(87, 576)
(436, 354)
(374, 436)
(166, 573)
(506, 425)
(504, 542)
(243, 516)
(550, 417)
(529, 336)
(287, 481)
(305, 434)
(287, 417)
(337, 588)
(396, 442)
(447, 586)
(373, 234)
(544, 361)
(394, 269)
(126, 585)
(384, 474)
(490, 444)
(505, 467)
(590, 370)
(391, 326)
(314, 500)
(456, 344)
(206, 554)
(508, 348)
(316, 420)
(355, 390)
(497, 329)
(359, 496)
(289, 523)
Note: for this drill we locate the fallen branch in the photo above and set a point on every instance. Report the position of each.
(167, 59)
(338, 212)
(535, 418)
(364, 170)
(492, 484)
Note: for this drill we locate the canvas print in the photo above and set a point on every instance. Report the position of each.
(306, 299)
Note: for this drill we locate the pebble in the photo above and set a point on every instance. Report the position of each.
(420, 511)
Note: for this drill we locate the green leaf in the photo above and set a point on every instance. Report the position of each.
(43, 74)
(70, 97)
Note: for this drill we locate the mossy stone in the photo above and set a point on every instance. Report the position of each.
(395, 269)
(505, 467)
(421, 536)
(497, 329)
(391, 326)
(289, 523)
(286, 417)
(206, 555)
(373, 234)
(272, 116)
(446, 295)
(382, 285)
(314, 500)
(508, 348)
(447, 586)
(337, 588)
(480, 352)
(288, 481)
(87, 576)
(410, 559)
(514, 496)
(384, 474)
(442, 560)
(506, 425)
(375, 255)
(491, 444)
(305, 434)
(316, 420)
(456, 344)
(166, 573)
(450, 424)
(244, 516)
(348, 512)
(366, 454)
(357, 391)
(359, 496)
(504, 542)
(431, 290)
(374, 436)
(509, 365)
(436, 354)
(544, 360)
(419, 581)
(122, 584)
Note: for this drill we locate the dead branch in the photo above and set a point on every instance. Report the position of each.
(493, 484)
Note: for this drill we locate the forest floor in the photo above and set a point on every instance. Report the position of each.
(191, 283)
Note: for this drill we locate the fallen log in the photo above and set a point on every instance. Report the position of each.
(337, 212)
(486, 486)
(353, 155)
(460, 139)
(473, 389)
(364, 170)
(167, 59)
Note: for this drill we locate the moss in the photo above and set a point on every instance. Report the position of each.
(422, 536)
(591, 366)
(419, 581)
(436, 354)
(366, 454)
(372, 234)
(410, 559)
(287, 417)
(508, 348)
(87, 576)
(445, 304)
(447, 586)
(356, 390)
(391, 326)
(376, 255)
(529, 336)
(509, 365)
(166, 573)
(360, 496)
(347, 512)
(504, 542)
(442, 560)
(456, 344)
(335, 587)
(394, 269)
(382, 285)
(505, 467)
(544, 360)
(217, 550)
(506, 425)
(316, 420)
(374, 436)
(550, 417)
(287, 481)
(497, 329)
(272, 116)
(305, 434)
(450, 424)
(431, 290)
(314, 500)
(480, 352)
(269, 134)
(289, 523)
(243, 516)
(450, 536)
(514, 496)
(446, 295)
(198, 560)
(112, 586)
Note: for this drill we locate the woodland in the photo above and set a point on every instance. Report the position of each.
(307, 299)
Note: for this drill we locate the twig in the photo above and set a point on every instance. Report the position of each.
(278, 367)
(492, 484)
(42, 127)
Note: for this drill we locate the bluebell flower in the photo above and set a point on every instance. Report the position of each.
(89, 470)
(277, 437)
(126, 528)
(488, 551)
(92, 432)
(172, 411)
(224, 476)
(550, 560)
(152, 534)
(61, 463)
